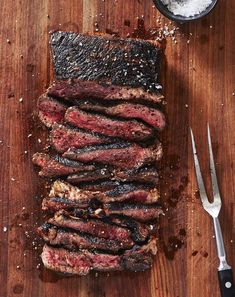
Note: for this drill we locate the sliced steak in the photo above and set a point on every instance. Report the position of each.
(140, 231)
(140, 212)
(147, 174)
(129, 130)
(63, 138)
(75, 90)
(72, 240)
(123, 62)
(50, 111)
(81, 262)
(151, 116)
(56, 166)
(121, 155)
(89, 176)
(93, 227)
(66, 196)
(101, 186)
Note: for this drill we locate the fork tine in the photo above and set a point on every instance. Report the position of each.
(200, 182)
(214, 181)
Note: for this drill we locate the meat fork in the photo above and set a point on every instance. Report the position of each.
(225, 273)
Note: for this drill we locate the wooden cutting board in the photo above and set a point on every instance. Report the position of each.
(199, 82)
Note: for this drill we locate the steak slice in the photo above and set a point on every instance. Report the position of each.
(66, 196)
(129, 130)
(82, 262)
(93, 227)
(121, 155)
(57, 166)
(63, 138)
(72, 240)
(147, 174)
(139, 212)
(123, 62)
(50, 111)
(140, 231)
(151, 116)
(75, 90)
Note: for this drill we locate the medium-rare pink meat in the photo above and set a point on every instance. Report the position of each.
(129, 130)
(71, 239)
(77, 89)
(121, 155)
(50, 111)
(82, 262)
(63, 138)
(151, 116)
(57, 166)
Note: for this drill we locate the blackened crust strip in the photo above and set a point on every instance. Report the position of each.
(128, 62)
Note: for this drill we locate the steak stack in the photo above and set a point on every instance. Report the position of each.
(103, 201)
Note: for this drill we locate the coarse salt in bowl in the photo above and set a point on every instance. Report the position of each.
(185, 10)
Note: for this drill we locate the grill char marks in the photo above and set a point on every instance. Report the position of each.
(121, 155)
(57, 166)
(75, 90)
(151, 116)
(129, 130)
(63, 138)
(50, 111)
(93, 227)
(72, 240)
(123, 62)
(82, 262)
(66, 196)
(147, 174)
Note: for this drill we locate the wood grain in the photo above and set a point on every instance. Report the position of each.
(199, 81)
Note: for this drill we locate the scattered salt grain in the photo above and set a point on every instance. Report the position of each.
(187, 8)
(21, 100)
(5, 229)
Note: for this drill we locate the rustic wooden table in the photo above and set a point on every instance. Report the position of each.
(199, 85)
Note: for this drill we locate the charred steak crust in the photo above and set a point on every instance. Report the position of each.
(123, 62)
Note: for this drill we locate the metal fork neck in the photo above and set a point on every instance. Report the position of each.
(220, 245)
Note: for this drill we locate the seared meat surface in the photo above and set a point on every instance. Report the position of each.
(123, 62)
